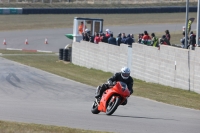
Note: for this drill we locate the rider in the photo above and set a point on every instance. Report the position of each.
(123, 76)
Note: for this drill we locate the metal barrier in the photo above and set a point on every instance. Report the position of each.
(10, 10)
(105, 10)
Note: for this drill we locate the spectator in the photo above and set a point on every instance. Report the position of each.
(192, 42)
(97, 38)
(112, 40)
(103, 38)
(132, 36)
(91, 38)
(164, 40)
(146, 39)
(129, 40)
(167, 35)
(154, 41)
(107, 33)
(183, 40)
(123, 38)
(81, 28)
(85, 36)
(119, 39)
(140, 38)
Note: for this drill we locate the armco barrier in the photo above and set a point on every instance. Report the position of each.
(106, 10)
(10, 10)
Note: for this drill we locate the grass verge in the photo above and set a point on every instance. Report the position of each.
(153, 91)
(15, 127)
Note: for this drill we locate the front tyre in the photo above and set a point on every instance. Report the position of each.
(112, 105)
(94, 108)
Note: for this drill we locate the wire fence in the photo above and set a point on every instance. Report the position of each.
(96, 1)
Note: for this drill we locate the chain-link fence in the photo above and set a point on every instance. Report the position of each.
(96, 1)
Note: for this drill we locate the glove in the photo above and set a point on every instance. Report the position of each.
(110, 83)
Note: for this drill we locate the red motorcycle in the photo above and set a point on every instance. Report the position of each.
(111, 99)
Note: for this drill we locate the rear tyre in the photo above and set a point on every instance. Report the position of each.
(112, 106)
(94, 109)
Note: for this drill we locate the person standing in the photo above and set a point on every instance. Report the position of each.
(168, 36)
(123, 38)
(129, 40)
(154, 41)
(112, 40)
(183, 40)
(81, 28)
(146, 39)
(97, 38)
(108, 32)
(192, 41)
(119, 39)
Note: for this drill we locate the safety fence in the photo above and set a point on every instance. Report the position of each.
(96, 1)
(11, 10)
(106, 10)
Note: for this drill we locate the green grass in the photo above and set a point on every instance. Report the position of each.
(12, 52)
(152, 91)
(15, 127)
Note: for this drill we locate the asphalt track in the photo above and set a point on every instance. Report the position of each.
(34, 96)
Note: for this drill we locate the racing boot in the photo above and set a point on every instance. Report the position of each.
(125, 102)
(97, 94)
(100, 90)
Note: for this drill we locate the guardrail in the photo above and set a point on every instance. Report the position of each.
(106, 10)
(11, 10)
(94, 10)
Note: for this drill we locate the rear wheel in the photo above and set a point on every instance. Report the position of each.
(112, 105)
(94, 109)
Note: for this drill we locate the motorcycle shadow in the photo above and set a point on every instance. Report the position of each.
(138, 117)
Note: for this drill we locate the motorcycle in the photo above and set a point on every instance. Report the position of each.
(111, 99)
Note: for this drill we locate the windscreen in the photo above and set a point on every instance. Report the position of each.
(124, 86)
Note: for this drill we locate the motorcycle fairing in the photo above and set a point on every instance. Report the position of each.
(115, 91)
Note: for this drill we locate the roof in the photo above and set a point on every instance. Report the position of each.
(78, 18)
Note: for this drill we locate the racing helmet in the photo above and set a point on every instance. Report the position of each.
(125, 72)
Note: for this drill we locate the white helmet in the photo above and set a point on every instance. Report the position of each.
(125, 72)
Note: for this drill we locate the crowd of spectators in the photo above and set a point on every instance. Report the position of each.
(143, 38)
(108, 38)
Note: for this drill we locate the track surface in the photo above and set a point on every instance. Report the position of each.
(34, 96)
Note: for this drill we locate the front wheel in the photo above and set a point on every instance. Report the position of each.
(112, 105)
(94, 109)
